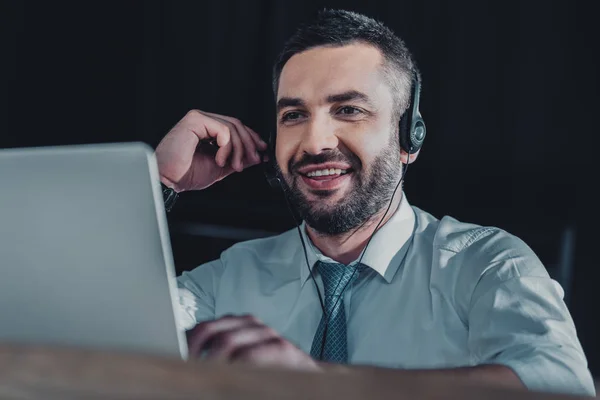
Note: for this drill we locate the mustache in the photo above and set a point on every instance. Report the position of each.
(309, 159)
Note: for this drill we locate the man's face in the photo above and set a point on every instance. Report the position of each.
(337, 148)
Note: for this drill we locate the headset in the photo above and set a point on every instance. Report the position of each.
(412, 133)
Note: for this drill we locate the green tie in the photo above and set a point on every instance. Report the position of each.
(336, 277)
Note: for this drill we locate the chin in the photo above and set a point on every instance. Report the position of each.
(324, 196)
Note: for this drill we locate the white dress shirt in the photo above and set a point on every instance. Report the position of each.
(437, 294)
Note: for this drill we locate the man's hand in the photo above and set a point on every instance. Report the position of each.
(183, 165)
(244, 339)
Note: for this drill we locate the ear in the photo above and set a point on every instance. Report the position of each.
(406, 159)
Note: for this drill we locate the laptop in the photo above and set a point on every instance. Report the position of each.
(85, 255)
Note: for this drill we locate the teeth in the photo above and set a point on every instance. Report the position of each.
(327, 172)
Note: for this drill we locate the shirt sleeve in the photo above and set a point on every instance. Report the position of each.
(519, 319)
(197, 292)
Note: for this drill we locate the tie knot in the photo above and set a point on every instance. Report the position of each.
(336, 277)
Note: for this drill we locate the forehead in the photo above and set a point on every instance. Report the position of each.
(322, 71)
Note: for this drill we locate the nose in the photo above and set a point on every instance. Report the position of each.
(319, 137)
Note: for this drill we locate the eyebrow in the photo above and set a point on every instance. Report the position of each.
(349, 96)
(334, 98)
(285, 102)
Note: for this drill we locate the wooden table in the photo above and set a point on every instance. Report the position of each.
(52, 373)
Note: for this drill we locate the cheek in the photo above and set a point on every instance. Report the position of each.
(365, 146)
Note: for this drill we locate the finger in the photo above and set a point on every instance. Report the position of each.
(256, 138)
(205, 127)
(253, 143)
(251, 151)
(250, 154)
(238, 149)
(223, 154)
(236, 153)
(260, 143)
(275, 352)
(225, 343)
(201, 334)
(267, 352)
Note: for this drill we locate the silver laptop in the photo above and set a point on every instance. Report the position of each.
(85, 256)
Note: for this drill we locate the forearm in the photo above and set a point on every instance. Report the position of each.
(493, 375)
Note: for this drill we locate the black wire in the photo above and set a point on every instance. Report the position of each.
(361, 256)
(327, 317)
(287, 201)
(310, 270)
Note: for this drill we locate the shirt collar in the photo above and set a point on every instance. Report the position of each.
(384, 246)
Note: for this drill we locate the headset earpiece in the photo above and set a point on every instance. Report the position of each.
(270, 170)
(412, 127)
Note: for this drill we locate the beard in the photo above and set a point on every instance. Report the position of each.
(368, 194)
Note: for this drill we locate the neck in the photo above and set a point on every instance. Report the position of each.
(346, 247)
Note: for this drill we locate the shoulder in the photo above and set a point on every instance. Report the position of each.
(455, 236)
(468, 257)
(479, 250)
(475, 247)
(243, 258)
(268, 250)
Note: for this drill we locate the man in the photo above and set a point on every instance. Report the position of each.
(360, 284)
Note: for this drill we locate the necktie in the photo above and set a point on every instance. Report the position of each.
(336, 277)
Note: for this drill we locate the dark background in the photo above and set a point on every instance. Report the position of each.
(509, 97)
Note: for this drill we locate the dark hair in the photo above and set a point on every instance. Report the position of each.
(340, 27)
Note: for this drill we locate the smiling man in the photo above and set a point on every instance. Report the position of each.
(338, 132)
(367, 278)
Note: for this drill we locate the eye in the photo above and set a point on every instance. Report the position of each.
(291, 116)
(348, 110)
